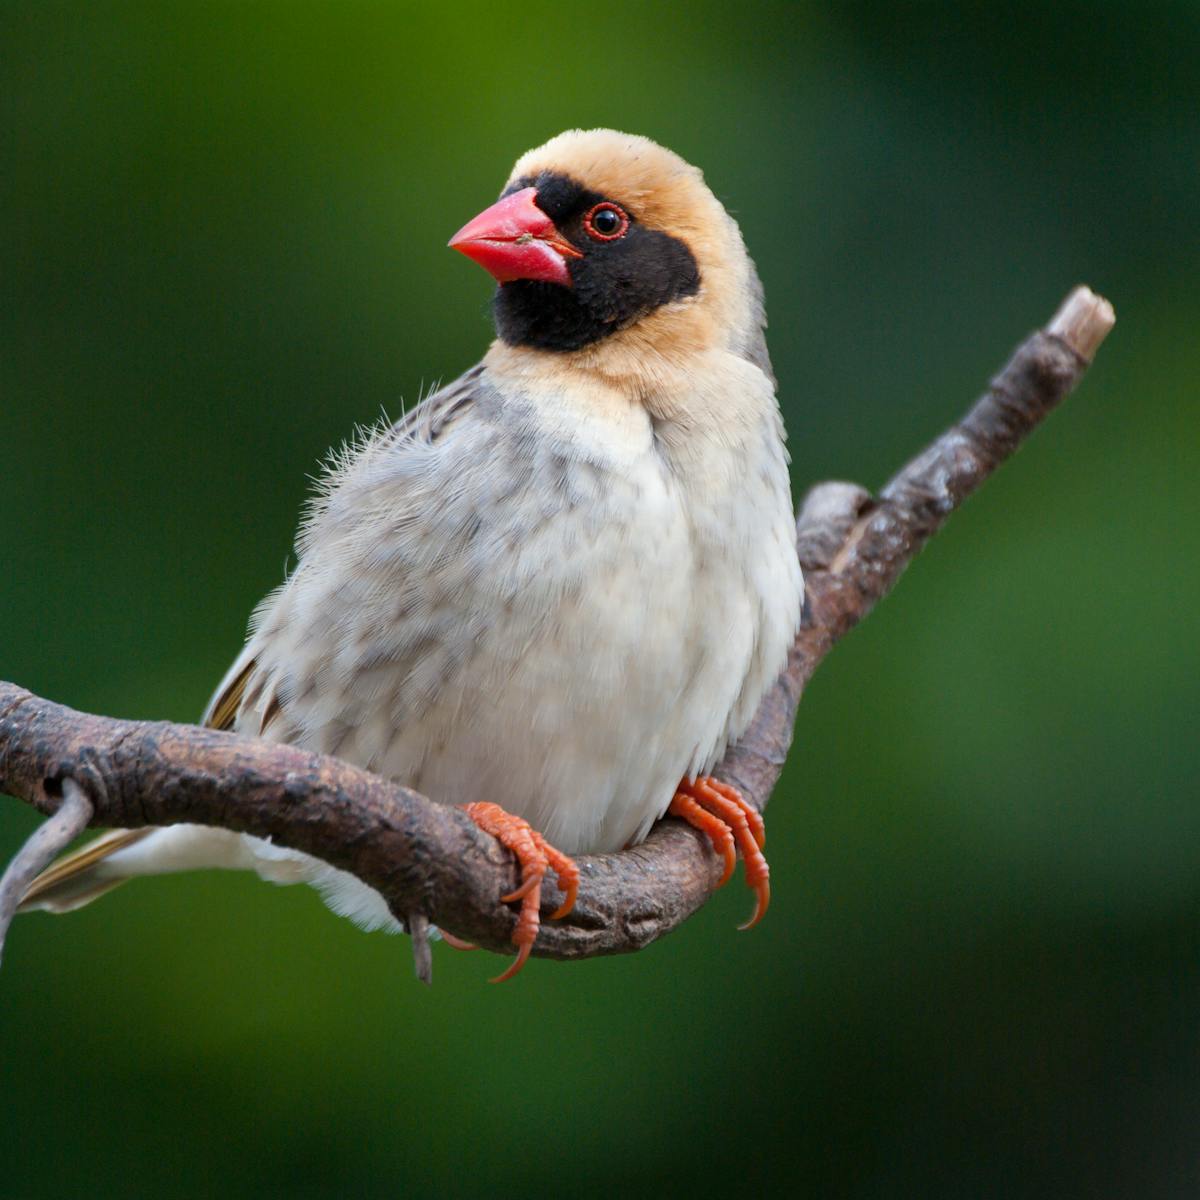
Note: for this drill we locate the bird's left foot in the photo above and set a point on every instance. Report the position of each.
(731, 824)
(536, 857)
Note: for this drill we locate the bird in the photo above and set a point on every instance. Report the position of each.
(555, 590)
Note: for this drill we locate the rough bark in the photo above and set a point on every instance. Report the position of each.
(429, 860)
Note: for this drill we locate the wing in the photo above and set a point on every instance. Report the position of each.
(427, 423)
(223, 708)
(80, 877)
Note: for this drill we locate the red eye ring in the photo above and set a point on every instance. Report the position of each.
(605, 210)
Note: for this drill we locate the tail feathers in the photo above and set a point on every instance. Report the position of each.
(81, 877)
(123, 854)
(100, 866)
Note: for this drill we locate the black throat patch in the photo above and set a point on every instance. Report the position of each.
(613, 284)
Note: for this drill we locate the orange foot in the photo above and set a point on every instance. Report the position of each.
(536, 857)
(732, 824)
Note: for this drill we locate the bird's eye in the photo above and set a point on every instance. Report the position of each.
(606, 222)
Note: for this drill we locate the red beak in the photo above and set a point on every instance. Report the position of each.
(514, 239)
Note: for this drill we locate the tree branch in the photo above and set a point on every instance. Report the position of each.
(428, 860)
(46, 843)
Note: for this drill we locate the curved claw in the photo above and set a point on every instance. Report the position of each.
(763, 893)
(518, 963)
(568, 877)
(568, 904)
(456, 943)
(527, 886)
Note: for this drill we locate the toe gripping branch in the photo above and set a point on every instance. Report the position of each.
(731, 823)
(716, 809)
(536, 857)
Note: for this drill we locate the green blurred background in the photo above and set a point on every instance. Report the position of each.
(222, 244)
